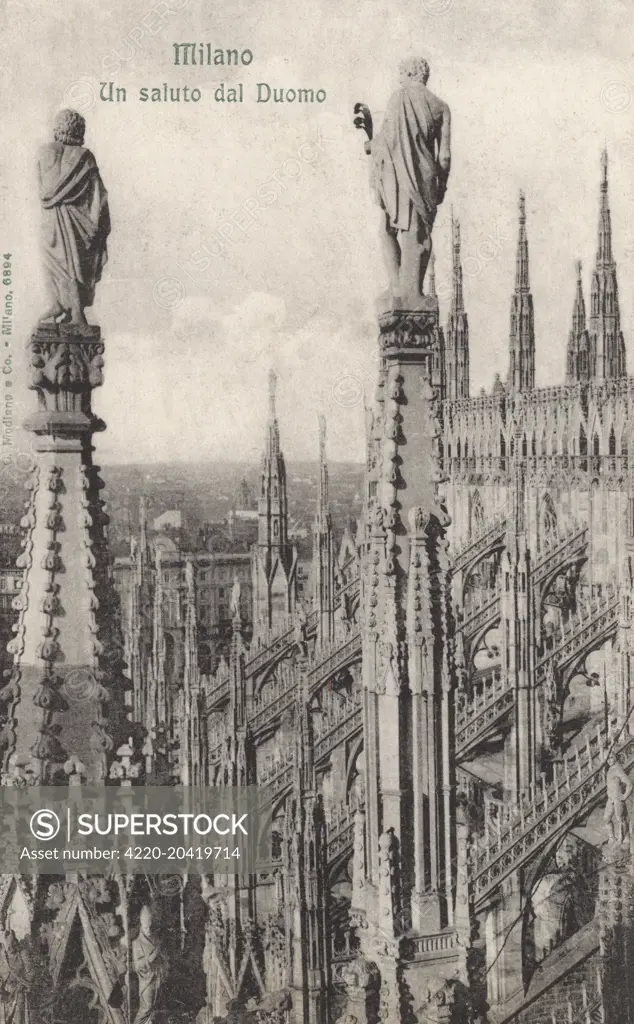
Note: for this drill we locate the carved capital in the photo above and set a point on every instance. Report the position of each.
(65, 364)
(401, 330)
(66, 357)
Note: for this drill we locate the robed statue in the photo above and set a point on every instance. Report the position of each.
(411, 159)
(76, 221)
(149, 966)
(619, 789)
(16, 980)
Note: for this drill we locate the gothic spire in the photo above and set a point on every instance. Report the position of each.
(522, 333)
(577, 362)
(144, 546)
(457, 298)
(604, 247)
(457, 347)
(191, 678)
(273, 430)
(607, 346)
(275, 556)
(579, 307)
(323, 547)
(521, 266)
(322, 502)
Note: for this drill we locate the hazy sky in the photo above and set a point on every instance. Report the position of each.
(536, 89)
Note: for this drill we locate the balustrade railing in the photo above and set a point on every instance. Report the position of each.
(591, 620)
(340, 816)
(272, 697)
(517, 833)
(478, 608)
(334, 710)
(492, 696)
(329, 658)
(490, 529)
(267, 643)
(274, 763)
(340, 827)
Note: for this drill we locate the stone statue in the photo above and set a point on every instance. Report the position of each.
(411, 158)
(147, 962)
(619, 790)
(76, 220)
(236, 593)
(15, 980)
(300, 631)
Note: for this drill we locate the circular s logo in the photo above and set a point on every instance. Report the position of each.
(44, 825)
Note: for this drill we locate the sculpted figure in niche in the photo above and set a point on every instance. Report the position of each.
(619, 790)
(148, 964)
(15, 980)
(76, 220)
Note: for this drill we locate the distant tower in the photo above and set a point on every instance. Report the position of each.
(244, 497)
(522, 335)
(607, 347)
(275, 560)
(323, 548)
(457, 342)
(578, 358)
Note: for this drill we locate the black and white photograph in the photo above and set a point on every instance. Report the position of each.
(317, 512)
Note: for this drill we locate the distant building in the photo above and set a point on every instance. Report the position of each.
(157, 597)
(170, 520)
(244, 498)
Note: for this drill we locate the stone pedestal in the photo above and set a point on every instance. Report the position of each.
(410, 783)
(68, 668)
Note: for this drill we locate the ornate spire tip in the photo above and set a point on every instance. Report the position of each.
(604, 169)
(272, 391)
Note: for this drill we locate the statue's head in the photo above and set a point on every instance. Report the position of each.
(414, 69)
(145, 920)
(69, 128)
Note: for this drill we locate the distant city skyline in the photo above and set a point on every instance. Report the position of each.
(189, 343)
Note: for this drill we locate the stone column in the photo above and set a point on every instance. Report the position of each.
(504, 929)
(67, 653)
(518, 635)
(408, 726)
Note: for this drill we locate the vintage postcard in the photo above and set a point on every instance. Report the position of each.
(316, 512)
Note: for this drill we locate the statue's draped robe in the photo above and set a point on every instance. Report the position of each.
(147, 962)
(14, 988)
(404, 164)
(76, 221)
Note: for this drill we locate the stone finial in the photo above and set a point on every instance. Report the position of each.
(125, 768)
(76, 771)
